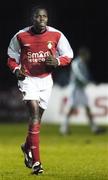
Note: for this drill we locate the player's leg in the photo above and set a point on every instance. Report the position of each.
(36, 98)
(84, 103)
(71, 106)
(32, 140)
(64, 127)
(90, 118)
(38, 111)
(94, 127)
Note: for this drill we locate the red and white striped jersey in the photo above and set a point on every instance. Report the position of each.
(29, 50)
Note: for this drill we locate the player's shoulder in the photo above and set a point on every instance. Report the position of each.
(23, 30)
(59, 33)
(53, 29)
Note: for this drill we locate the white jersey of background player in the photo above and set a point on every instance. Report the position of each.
(80, 77)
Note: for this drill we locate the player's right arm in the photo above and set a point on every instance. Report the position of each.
(13, 63)
(14, 54)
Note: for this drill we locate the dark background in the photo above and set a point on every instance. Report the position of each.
(83, 22)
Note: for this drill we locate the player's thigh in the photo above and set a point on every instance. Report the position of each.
(44, 97)
(79, 97)
(28, 89)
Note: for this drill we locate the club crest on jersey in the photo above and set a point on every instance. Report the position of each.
(49, 44)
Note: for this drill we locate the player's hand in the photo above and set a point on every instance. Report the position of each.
(20, 75)
(51, 61)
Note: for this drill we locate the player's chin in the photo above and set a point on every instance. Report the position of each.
(42, 27)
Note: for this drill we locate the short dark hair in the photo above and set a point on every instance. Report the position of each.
(36, 9)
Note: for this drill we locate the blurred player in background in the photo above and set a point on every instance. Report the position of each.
(80, 78)
(33, 53)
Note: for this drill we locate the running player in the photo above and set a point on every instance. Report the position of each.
(33, 53)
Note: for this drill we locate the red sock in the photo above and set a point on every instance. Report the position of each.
(34, 131)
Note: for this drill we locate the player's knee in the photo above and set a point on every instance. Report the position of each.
(35, 118)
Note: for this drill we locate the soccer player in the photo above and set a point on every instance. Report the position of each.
(33, 54)
(80, 77)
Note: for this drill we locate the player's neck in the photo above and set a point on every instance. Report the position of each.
(38, 31)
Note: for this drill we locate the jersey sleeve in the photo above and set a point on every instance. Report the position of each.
(14, 54)
(64, 50)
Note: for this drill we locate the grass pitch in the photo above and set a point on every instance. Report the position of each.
(78, 156)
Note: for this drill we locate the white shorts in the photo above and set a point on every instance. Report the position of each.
(36, 88)
(78, 97)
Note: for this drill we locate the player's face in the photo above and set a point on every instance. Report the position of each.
(40, 20)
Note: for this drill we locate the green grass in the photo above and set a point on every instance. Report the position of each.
(79, 156)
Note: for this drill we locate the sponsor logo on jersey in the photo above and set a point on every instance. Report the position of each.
(37, 57)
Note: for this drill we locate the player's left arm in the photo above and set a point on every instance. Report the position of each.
(64, 54)
(64, 50)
